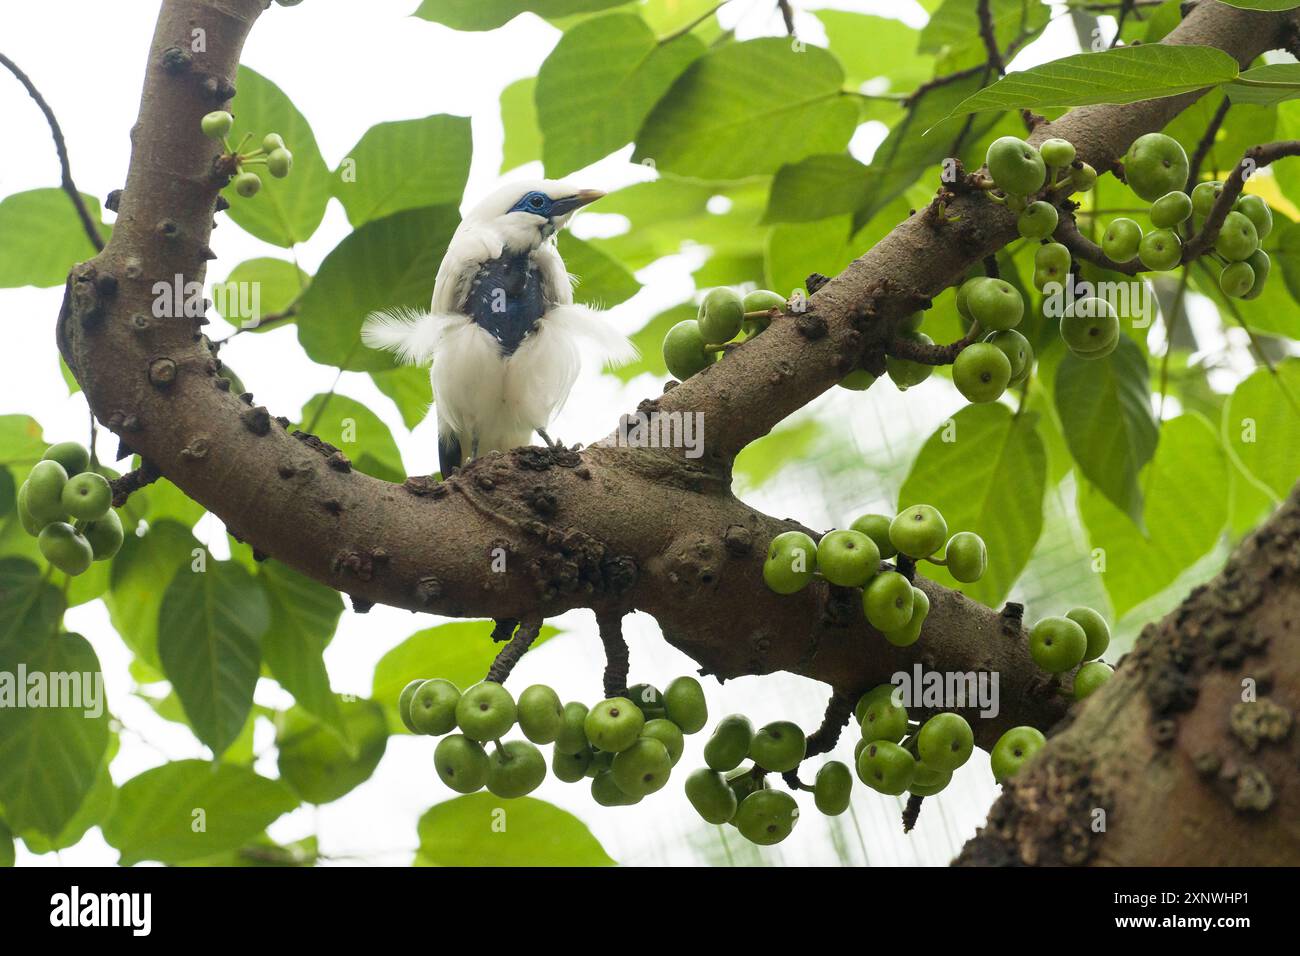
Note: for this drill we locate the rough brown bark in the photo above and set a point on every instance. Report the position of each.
(612, 528)
(1186, 771)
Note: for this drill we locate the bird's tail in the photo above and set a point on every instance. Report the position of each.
(413, 335)
(613, 347)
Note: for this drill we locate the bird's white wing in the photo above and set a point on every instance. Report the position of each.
(413, 335)
(584, 323)
(470, 247)
(578, 321)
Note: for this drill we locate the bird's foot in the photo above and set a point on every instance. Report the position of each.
(550, 443)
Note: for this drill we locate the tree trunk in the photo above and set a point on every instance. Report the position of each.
(1187, 757)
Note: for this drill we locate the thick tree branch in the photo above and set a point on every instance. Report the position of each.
(65, 167)
(613, 528)
(1188, 756)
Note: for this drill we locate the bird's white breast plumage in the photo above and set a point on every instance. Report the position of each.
(486, 397)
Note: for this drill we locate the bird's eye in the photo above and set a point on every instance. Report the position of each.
(536, 201)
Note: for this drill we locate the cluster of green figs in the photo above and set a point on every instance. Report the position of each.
(692, 345)
(1080, 636)
(625, 745)
(67, 507)
(851, 557)
(272, 154)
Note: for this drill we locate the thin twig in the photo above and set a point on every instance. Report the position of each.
(990, 37)
(133, 481)
(610, 624)
(839, 709)
(1255, 158)
(924, 354)
(1081, 247)
(509, 655)
(1206, 144)
(66, 184)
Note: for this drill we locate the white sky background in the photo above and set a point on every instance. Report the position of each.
(348, 65)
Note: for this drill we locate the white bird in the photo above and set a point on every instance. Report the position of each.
(503, 331)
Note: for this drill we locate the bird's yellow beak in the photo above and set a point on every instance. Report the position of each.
(586, 196)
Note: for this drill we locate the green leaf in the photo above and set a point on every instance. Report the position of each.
(599, 84)
(924, 138)
(1275, 6)
(191, 808)
(355, 430)
(21, 440)
(410, 389)
(746, 109)
(667, 215)
(953, 31)
(875, 48)
(139, 577)
(7, 852)
(460, 652)
(257, 288)
(1261, 425)
(42, 238)
(304, 615)
(1123, 75)
(92, 812)
(1185, 487)
(986, 471)
(1105, 411)
(1265, 85)
(523, 140)
(378, 177)
(321, 765)
(764, 459)
(285, 211)
(483, 830)
(817, 188)
(29, 604)
(794, 250)
(210, 630)
(386, 263)
(602, 281)
(49, 754)
(490, 14)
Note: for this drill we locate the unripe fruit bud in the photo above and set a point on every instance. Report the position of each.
(1082, 178)
(1154, 165)
(1016, 167)
(1171, 209)
(216, 124)
(684, 351)
(279, 163)
(1160, 250)
(248, 184)
(1237, 279)
(1121, 239)
(1057, 153)
(1038, 221)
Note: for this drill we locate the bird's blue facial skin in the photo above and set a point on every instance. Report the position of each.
(537, 203)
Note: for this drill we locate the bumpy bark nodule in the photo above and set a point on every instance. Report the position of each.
(612, 528)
